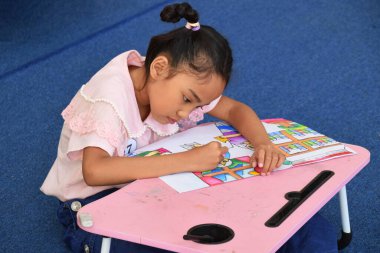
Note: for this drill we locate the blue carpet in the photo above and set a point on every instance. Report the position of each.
(33, 30)
(315, 63)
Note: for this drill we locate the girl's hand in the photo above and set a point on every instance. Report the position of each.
(206, 157)
(267, 158)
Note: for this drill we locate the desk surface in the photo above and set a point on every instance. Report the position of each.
(150, 212)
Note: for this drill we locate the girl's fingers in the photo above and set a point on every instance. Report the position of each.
(260, 158)
(280, 161)
(253, 163)
(267, 161)
(273, 163)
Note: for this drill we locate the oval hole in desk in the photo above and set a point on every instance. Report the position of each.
(209, 234)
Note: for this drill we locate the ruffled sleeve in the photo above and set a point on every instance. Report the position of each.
(93, 124)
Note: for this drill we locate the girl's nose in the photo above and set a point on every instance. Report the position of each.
(184, 113)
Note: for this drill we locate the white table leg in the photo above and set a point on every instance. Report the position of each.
(106, 245)
(346, 237)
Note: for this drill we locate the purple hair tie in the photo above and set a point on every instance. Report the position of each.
(193, 26)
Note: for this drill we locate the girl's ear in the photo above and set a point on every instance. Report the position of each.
(159, 68)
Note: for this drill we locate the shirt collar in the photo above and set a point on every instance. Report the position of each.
(161, 129)
(121, 95)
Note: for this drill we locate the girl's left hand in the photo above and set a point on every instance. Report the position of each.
(267, 157)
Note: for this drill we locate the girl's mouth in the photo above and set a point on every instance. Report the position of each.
(171, 121)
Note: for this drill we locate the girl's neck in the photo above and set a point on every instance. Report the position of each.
(138, 79)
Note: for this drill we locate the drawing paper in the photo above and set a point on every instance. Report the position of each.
(300, 145)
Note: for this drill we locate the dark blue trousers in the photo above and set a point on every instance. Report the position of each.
(316, 236)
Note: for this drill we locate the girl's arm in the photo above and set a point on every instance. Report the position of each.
(99, 168)
(245, 120)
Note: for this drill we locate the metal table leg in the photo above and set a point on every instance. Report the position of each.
(106, 245)
(346, 237)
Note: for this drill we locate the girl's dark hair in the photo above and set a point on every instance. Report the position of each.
(205, 51)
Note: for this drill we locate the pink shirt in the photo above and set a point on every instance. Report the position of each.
(104, 114)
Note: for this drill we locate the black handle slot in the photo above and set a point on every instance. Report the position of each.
(295, 198)
(209, 234)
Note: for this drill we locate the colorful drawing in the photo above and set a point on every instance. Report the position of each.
(302, 133)
(293, 148)
(278, 137)
(231, 135)
(283, 123)
(319, 142)
(300, 145)
(160, 151)
(189, 146)
(234, 169)
(294, 138)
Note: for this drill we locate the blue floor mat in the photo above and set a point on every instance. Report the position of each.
(33, 30)
(315, 63)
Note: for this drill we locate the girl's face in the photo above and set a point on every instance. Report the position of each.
(175, 98)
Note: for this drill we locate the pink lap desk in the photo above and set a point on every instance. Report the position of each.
(151, 213)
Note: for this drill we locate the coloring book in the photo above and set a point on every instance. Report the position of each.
(300, 145)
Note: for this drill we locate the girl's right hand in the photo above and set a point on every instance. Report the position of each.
(206, 157)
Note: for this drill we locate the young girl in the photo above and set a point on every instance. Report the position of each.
(134, 101)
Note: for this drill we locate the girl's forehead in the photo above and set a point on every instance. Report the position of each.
(202, 78)
(207, 89)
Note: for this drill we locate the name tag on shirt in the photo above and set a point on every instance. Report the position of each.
(131, 147)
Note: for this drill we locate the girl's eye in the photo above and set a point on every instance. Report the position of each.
(186, 100)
